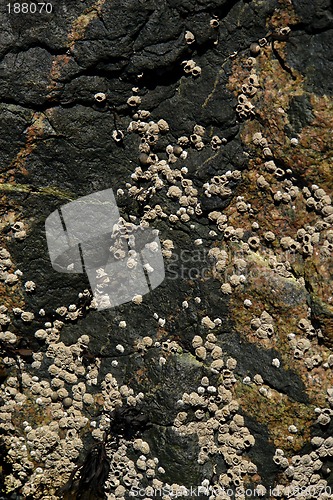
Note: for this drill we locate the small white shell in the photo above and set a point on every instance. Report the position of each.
(100, 97)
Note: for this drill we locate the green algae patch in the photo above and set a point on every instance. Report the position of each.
(278, 413)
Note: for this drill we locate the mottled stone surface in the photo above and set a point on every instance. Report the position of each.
(257, 166)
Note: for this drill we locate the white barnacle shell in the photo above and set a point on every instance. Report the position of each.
(54, 370)
(196, 71)
(254, 242)
(117, 135)
(174, 192)
(216, 353)
(20, 235)
(88, 399)
(199, 414)
(197, 341)
(41, 334)
(211, 337)
(226, 288)
(134, 100)
(209, 345)
(258, 379)
(211, 389)
(256, 138)
(100, 97)
(4, 254)
(208, 323)
(201, 352)
(323, 419)
(214, 23)
(147, 341)
(285, 30)
(253, 80)
(137, 299)
(152, 246)
(189, 37)
(69, 377)
(29, 286)
(205, 381)
(260, 490)
(150, 473)
(262, 183)
(189, 65)
(162, 361)
(173, 218)
(7, 336)
(163, 125)
(303, 344)
(11, 279)
(27, 317)
(84, 339)
(144, 447)
(263, 391)
(217, 365)
(183, 141)
(231, 363)
(62, 311)
(168, 244)
(131, 263)
(242, 206)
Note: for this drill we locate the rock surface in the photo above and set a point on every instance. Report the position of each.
(221, 379)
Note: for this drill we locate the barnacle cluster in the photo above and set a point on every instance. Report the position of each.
(191, 67)
(212, 414)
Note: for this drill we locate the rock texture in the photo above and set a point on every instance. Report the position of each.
(215, 128)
